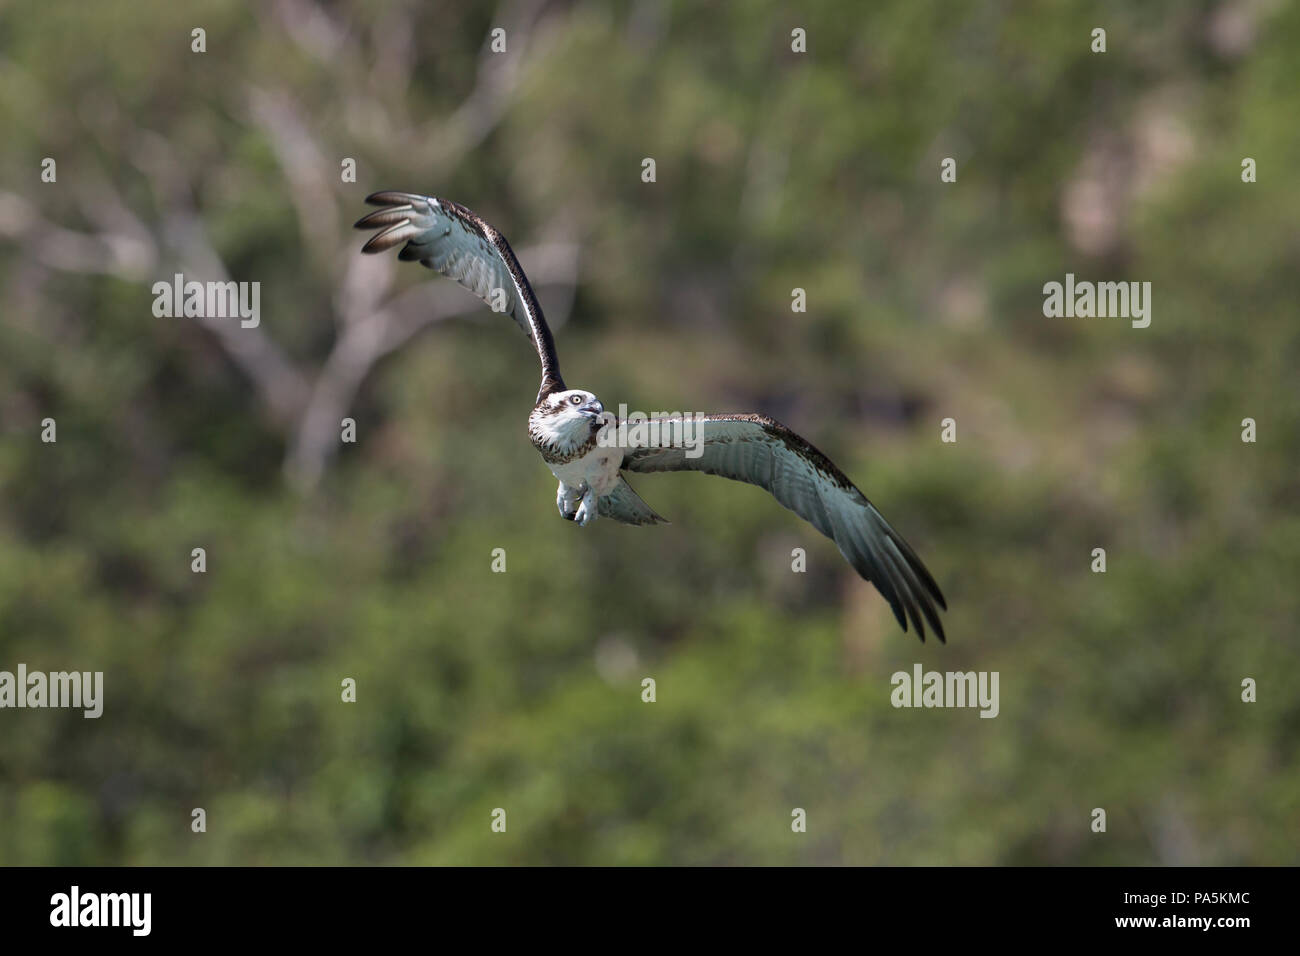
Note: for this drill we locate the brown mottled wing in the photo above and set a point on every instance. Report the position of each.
(763, 452)
(447, 237)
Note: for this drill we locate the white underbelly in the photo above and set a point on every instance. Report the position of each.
(597, 470)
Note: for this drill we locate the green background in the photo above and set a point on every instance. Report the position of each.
(522, 690)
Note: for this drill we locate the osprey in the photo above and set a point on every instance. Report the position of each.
(566, 424)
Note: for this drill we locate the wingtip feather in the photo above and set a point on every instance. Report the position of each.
(392, 236)
(389, 197)
(383, 217)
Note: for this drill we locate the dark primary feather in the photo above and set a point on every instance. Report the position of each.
(447, 237)
(763, 452)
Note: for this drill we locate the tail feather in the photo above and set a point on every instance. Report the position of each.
(625, 505)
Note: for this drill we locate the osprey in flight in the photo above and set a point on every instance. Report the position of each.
(566, 423)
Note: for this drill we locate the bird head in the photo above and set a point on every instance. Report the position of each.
(566, 420)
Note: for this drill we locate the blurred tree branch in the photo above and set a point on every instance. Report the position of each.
(307, 408)
(304, 403)
(368, 334)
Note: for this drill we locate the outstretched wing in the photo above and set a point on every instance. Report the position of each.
(451, 239)
(763, 452)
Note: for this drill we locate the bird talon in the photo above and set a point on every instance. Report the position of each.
(586, 513)
(566, 503)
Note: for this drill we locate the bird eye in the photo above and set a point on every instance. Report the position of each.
(576, 399)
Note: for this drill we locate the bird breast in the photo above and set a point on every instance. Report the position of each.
(598, 470)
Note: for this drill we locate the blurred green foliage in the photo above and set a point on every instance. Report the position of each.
(522, 690)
